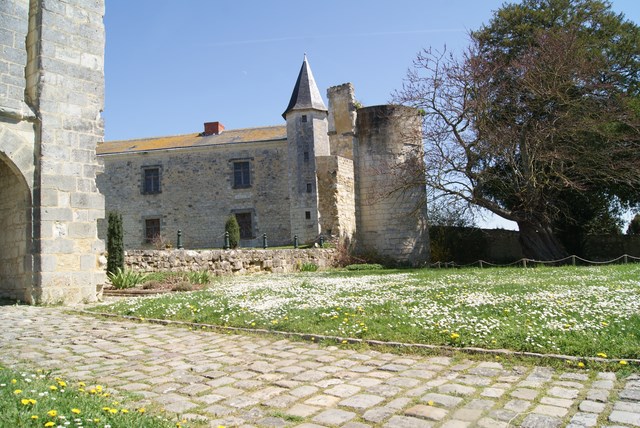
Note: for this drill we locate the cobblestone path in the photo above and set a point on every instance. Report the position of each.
(236, 380)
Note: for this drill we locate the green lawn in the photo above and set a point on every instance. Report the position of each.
(581, 311)
(35, 399)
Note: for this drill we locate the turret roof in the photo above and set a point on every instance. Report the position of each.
(305, 94)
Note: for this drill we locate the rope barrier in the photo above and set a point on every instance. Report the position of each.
(625, 258)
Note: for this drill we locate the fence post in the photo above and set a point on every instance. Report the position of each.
(524, 262)
(264, 241)
(321, 241)
(227, 244)
(480, 264)
(573, 260)
(625, 259)
(179, 243)
(295, 241)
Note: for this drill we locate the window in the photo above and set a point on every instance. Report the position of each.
(309, 187)
(241, 174)
(307, 215)
(304, 118)
(151, 229)
(246, 226)
(150, 180)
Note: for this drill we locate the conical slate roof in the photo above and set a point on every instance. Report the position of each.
(305, 94)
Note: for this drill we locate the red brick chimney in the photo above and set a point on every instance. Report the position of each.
(213, 128)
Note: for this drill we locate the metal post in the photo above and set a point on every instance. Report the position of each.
(625, 259)
(179, 244)
(321, 241)
(295, 241)
(573, 260)
(227, 244)
(264, 241)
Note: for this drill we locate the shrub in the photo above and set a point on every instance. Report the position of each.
(233, 228)
(365, 266)
(115, 245)
(202, 277)
(123, 278)
(308, 267)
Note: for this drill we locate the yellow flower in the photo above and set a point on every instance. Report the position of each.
(17, 391)
(27, 401)
(34, 417)
(454, 336)
(344, 341)
(580, 364)
(99, 388)
(49, 424)
(142, 410)
(82, 384)
(124, 411)
(430, 402)
(76, 411)
(53, 388)
(62, 383)
(52, 413)
(113, 411)
(602, 355)
(623, 363)
(14, 381)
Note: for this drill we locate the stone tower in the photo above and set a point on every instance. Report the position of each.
(306, 117)
(390, 219)
(51, 95)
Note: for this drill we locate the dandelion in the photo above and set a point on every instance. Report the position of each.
(142, 410)
(76, 411)
(13, 381)
(454, 336)
(344, 342)
(34, 417)
(17, 392)
(602, 355)
(82, 384)
(623, 363)
(430, 402)
(52, 413)
(28, 401)
(124, 411)
(53, 388)
(49, 424)
(581, 364)
(62, 383)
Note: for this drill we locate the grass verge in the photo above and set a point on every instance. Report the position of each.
(579, 311)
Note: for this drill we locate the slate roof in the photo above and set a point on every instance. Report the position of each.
(305, 94)
(230, 136)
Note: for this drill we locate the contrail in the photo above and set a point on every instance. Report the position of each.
(327, 36)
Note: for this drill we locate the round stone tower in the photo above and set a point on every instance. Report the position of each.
(391, 215)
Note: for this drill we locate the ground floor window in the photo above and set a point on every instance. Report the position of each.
(246, 225)
(151, 230)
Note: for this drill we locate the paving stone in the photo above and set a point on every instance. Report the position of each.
(598, 395)
(302, 410)
(466, 414)
(362, 401)
(323, 400)
(343, 390)
(403, 382)
(540, 421)
(179, 406)
(504, 415)
(474, 380)
(303, 391)
(455, 424)
(570, 384)
(399, 403)
(407, 422)
(426, 412)
(448, 401)
(524, 393)
(491, 423)
(568, 393)
(585, 419)
(544, 409)
(629, 418)
(378, 414)
(626, 406)
(493, 392)
(480, 404)
(454, 388)
(574, 376)
(419, 374)
(630, 394)
(209, 398)
(355, 425)
(272, 422)
(333, 417)
(518, 406)
(281, 401)
(592, 406)
(195, 389)
(559, 402)
(606, 376)
(384, 390)
(310, 376)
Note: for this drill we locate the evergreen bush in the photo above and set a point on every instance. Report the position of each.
(115, 244)
(233, 228)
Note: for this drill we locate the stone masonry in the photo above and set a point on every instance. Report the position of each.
(51, 95)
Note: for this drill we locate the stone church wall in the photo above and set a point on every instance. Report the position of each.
(335, 195)
(197, 195)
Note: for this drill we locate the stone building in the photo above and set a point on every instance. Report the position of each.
(327, 171)
(51, 95)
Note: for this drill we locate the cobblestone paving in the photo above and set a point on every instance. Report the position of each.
(235, 380)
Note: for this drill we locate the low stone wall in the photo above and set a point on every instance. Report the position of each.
(228, 262)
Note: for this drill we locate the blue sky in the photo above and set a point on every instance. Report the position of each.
(172, 65)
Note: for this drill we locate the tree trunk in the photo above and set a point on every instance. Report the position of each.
(539, 242)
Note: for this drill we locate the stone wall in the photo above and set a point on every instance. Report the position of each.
(336, 196)
(342, 119)
(229, 262)
(390, 220)
(51, 95)
(197, 195)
